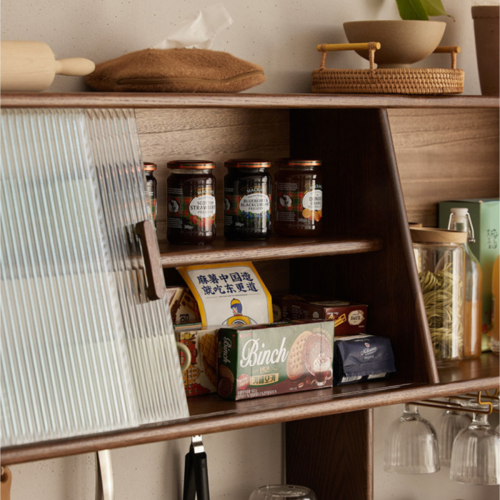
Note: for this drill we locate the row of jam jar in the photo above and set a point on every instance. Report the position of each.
(247, 200)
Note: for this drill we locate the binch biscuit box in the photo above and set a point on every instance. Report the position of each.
(274, 359)
(349, 317)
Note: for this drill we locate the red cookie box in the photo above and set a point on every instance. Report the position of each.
(349, 317)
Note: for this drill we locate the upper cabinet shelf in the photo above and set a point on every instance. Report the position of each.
(272, 249)
(285, 101)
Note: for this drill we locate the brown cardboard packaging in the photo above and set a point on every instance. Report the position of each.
(349, 317)
(182, 304)
(201, 376)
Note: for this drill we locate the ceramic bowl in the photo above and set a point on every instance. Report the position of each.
(403, 42)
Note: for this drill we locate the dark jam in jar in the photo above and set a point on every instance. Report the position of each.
(299, 198)
(247, 200)
(151, 190)
(191, 202)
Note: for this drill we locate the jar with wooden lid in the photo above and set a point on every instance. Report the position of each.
(247, 200)
(191, 202)
(299, 197)
(440, 258)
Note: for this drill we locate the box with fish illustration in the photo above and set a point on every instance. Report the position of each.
(257, 361)
(349, 317)
(201, 376)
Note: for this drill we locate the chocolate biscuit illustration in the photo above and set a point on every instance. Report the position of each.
(295, 368)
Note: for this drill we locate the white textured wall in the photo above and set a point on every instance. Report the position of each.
(281, 35)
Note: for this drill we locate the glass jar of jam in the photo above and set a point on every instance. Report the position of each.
(151, 190)
(247, 200)
(299, 198)
(191, 202)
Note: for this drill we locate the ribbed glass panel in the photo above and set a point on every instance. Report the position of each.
(83, 350)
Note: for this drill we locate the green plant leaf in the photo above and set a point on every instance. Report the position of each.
(434, 8)
(412, 10)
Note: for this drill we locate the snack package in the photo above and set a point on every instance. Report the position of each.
(183, 306)
(201, 376)
(349, 317)
(229, 294)
(275, 359)
(361, 358)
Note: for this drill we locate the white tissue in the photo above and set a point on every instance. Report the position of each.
(199, 30)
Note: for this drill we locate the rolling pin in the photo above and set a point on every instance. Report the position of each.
(32, 66)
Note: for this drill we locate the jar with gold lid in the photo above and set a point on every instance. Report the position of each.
(191, 202)
(299, 197)
(151, 190)
(247, 200)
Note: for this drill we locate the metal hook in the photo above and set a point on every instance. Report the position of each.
(484, 403)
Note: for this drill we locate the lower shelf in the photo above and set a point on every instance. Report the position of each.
(209, 414)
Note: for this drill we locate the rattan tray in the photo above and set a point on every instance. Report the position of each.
(386, 80)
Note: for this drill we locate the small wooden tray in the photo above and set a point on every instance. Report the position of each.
(387, 80)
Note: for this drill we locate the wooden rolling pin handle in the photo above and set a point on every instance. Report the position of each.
(74, 66)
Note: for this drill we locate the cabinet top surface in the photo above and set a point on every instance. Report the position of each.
(169, 100)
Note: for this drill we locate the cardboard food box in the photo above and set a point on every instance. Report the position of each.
(485, 216)
(349, 317)
(201, 376)
(275, 359)
(183, 306)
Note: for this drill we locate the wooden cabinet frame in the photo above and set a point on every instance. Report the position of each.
(365, 255)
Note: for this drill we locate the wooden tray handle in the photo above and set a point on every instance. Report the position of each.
(154, 271)
(334, 47)
(373, 46)
(453, 50)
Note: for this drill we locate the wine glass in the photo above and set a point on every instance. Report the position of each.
(411, 445)
(447, 426)
(475, 458)
(283, 492)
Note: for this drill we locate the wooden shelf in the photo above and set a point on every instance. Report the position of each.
(274, 248)
(209, 414)
(276, 101)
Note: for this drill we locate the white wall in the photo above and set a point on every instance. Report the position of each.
(280, 35)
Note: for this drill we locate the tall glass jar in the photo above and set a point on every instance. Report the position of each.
(440, 256)
(191, 202)
(151, 190)
(460, 221)
(247, 200)
(299, 198)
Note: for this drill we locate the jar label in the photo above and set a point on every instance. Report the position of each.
(256, 203)
(300, 205)
(202, 206)
(313, 200)
(193, 214)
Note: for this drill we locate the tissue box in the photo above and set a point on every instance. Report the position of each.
(485, 216)
(201, 376)
(257, 361)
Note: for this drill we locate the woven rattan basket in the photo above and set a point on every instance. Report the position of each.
(387, 80)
